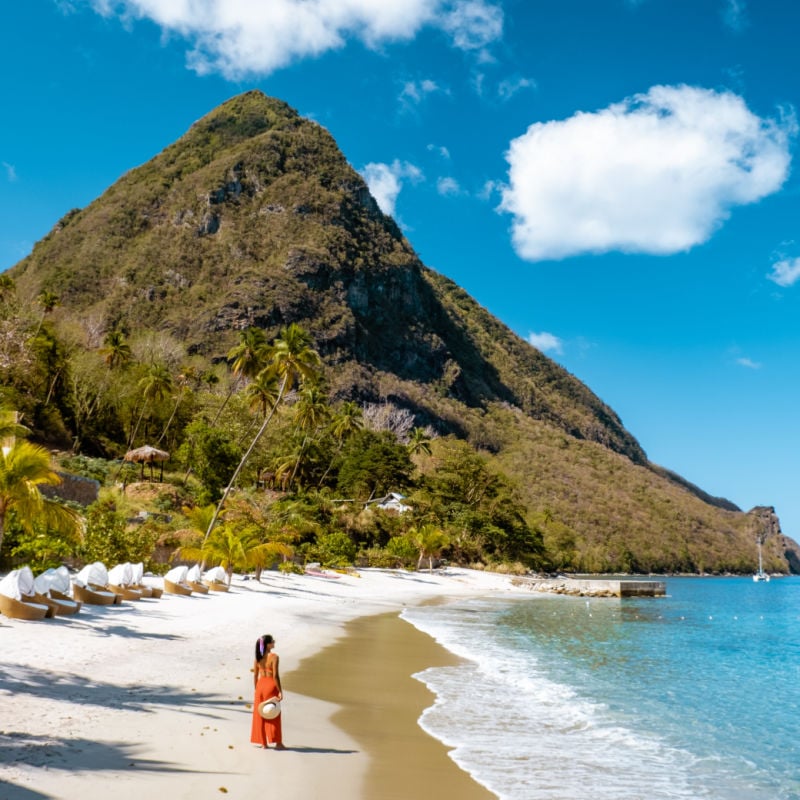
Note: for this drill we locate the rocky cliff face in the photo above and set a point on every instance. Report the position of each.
(254, 217)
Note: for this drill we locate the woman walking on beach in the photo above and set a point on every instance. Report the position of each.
(267, 683)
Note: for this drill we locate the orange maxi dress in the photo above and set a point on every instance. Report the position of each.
(265, 731)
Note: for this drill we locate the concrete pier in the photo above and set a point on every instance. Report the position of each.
(600, 587)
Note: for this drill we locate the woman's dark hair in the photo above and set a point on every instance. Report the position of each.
(261, 645)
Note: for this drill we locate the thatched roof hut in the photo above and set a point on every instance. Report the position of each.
(148, 455)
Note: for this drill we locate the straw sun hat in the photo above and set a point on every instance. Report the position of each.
(269, 709)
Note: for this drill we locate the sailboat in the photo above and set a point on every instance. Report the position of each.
(760, 575)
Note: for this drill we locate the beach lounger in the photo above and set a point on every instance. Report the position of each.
(23, 609)
(193, 580)
(177, 588)
(120, 581)
(17, 600)
(216, 579)
(93, 578)
(138, 582)
(124, 592)
(175, 582)
(62, 607)
(47, 585)
(94, 597)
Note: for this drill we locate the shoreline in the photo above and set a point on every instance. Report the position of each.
(368, 675)
(156, 695)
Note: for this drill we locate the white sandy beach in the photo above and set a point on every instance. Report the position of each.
(154, 697)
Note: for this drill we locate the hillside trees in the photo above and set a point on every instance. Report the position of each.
(477, 507)
(293, 360)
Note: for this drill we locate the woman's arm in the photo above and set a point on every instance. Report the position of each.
(255, 674)
(277, 675)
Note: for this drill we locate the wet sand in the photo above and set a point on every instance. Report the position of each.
(368, 673)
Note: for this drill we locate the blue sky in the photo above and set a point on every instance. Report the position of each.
(614, 179)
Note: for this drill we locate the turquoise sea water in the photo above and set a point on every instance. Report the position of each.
(695, 695)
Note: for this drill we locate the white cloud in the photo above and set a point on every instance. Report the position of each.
(386, 180)
(507, 88)
(546, 342)
(414, 92)
(473, 24)
(11, 172)
(440, 150)
(785, 272)
(448, 187)
(238, 38)
(657, 173)
(734, 14)
(489, 189)
(748, 363)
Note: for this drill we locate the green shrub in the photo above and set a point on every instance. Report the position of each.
(403, 550)
(335, 550)
(108, 540)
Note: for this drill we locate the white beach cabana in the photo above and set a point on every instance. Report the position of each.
(120, 581)
(194, 580)
(175, 581)
(50, 589)
(89, 586)
(216, 578)
(17, 597)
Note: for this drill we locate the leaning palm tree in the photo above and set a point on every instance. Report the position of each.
(250, 356)
(262, 391)
(48, 301)
(247, 359)
(24, 467)
(183, 382)
(293, 360)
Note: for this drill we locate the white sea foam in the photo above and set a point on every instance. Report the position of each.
(524, 735)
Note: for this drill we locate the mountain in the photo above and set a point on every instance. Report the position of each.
(255, 218)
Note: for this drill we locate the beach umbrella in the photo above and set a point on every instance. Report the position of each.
(148, 455)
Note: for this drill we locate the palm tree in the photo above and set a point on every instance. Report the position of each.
(250, 356)
(247, 359)
(430, 541)
(262, 391)
(155, 386)
(293, 360)
(48, 301)
(183, 381)
(199, 517)
(347, 420)
(25, 467)
(116, 351)
(311, 412)
(232, 546)
(419, 442)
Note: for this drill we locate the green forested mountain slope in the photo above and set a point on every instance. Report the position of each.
(255, 218)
